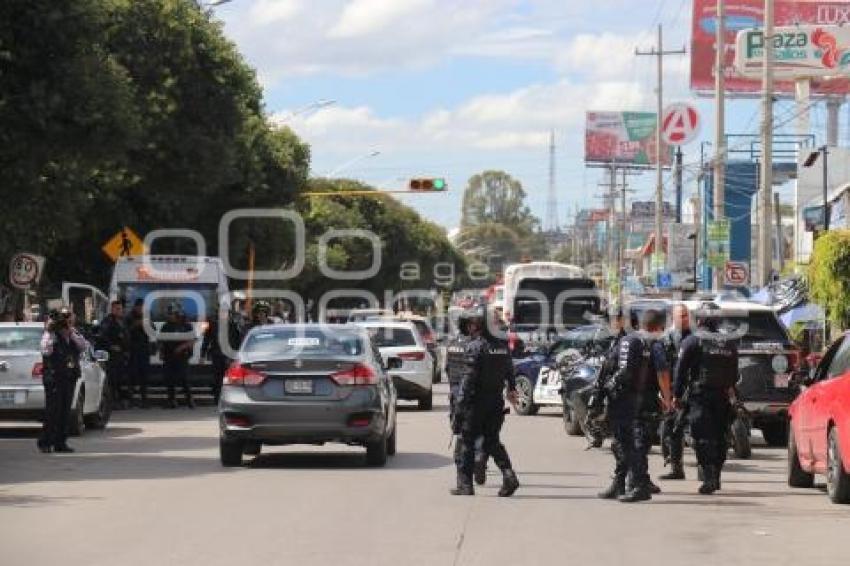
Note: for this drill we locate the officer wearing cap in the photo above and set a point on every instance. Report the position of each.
(707, 370)
(480, 405)
(61, 347)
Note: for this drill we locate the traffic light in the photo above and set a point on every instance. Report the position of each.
(428, 184)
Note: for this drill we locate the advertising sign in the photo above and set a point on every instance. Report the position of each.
(680, 124)
(799, 52)
(25, 270)
(646, 209)
(718, 243)
(623, 137)
(749, 14)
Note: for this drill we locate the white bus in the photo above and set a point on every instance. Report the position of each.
(533, 292)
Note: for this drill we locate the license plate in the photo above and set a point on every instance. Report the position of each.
(781, 380)
(298, 386)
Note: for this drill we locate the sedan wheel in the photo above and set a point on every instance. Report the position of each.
(797, 477)
(230, 452)
(377, 452)
(525, 394)
(837, 478)
(100, 419)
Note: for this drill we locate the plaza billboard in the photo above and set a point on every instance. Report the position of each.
(623, 138)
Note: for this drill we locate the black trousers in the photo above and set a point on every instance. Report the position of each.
(58, 398)
(709, 419)
(631, 449)
(485, 425)
(219, 367)
(138, 369)
(177, 373)
(672, 439)
(116, 376)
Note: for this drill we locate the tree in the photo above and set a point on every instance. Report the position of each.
(829, 275)
(496, 225)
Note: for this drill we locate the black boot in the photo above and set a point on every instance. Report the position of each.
(615, 490)
(709, 484)
(652, 487)
(510, 483)
(677, 472)
(479, 472)
(717, 472)
(464, 486)
(636, 494)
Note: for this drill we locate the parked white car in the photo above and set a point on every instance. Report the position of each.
(21, 389)
(400, 339)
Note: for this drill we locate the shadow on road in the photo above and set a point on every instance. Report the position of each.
(24, 500)
(347, 460)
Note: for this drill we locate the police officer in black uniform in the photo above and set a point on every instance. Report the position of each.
(480, 406)
(632, 398)
(139, 352)
(114, 339)
(175, 351)
(672, 431)
(707, 370)
(61, 346)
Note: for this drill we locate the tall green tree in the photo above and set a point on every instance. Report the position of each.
(829, 275)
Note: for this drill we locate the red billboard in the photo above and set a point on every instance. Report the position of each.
(748, 14)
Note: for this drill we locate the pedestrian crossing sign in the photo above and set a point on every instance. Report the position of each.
(125, 243)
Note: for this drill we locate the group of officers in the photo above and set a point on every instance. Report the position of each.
(688, 376)
(130, 347)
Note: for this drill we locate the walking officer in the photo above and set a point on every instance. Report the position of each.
(61, 346)
(672, 431)
(632, 394)
(706, 372)
(480, 405)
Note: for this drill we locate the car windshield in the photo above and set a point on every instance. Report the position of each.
(390, 337)
(20, 338)
(286, 342)
(190, 299)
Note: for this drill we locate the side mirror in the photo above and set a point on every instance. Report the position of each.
(394, 363)
(100, 356)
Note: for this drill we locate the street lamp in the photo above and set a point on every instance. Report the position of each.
(347, 164)
(318, 105)
(809, 162)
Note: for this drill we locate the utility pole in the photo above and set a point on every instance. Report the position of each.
(780, 240)
(720, 126)
(679, 184)
(621, 260)
(659, 53)
(612, 216)
(765, 248)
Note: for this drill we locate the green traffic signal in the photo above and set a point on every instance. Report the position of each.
(439, 184)
(428, 184)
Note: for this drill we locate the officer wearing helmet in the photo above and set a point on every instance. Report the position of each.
(176, 342)
(61, 347)
(480, 405)
(260, 314)
(706, 372)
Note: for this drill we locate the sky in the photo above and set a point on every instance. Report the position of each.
(448, 89)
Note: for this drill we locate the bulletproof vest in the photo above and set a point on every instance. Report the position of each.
(636, 360)
(495, 365)
(718, 364)
(455, 359)
(64, 361)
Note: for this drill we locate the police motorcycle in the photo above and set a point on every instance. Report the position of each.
(578, 372)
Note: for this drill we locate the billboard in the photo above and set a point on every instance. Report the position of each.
(747, 14)
(623, 137)
(798, 52)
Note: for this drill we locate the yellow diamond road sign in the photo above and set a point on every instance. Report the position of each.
(125, 243)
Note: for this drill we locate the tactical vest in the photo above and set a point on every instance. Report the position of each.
(718, 364)
(455, 359)
(495, 366)
(64, 361)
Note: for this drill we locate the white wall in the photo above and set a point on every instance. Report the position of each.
(809, 187)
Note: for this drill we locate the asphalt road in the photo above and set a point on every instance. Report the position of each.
(150, 490)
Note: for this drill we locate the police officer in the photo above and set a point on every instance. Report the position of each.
(672, 433)
(707, 370)
(211, 348)
(114, 339)
(480, 405)
(632, 392)
(139, 352)
(61, 346)
(175, 352)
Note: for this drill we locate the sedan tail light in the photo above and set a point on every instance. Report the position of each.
(411, 356)
(240, 375)
(358, 374)
(38, 370)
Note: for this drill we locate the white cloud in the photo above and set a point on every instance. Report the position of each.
(273, 12)
(363, 17)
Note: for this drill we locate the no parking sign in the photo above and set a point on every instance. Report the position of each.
(25, 270)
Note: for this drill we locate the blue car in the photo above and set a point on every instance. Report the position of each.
(527, 368)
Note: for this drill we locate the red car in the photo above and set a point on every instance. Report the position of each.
(819, 439)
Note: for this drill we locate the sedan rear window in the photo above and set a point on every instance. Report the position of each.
(387, 337)
(756, 327)
(313, 342)
(20, 339)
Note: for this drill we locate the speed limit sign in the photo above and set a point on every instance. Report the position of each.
(25, 270)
